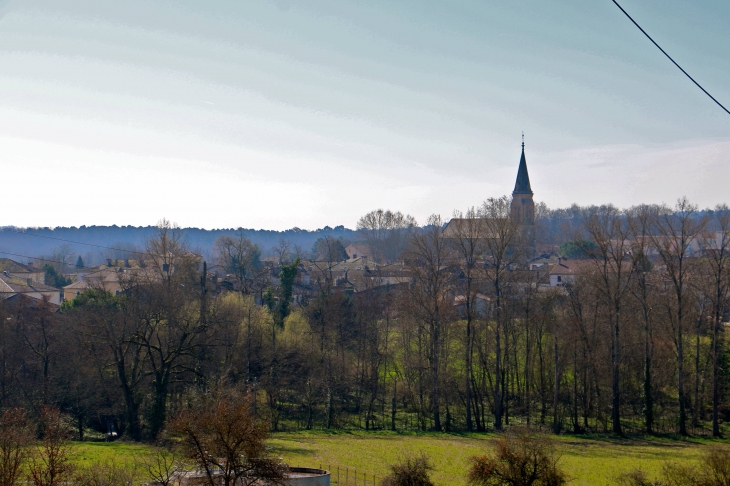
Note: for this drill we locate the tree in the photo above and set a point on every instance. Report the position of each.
(109, 329)
(51, 464)
(386, 232)
(467, 238)
(609, 233)
(641, 221)
(15, 439)
(502, 249)
(79, 262)
(53, 278)
(676, 231)
(239, 257)
(220, 432)
(167, 307)
(429, 296)
(520, 459)
(410, 471)
(716, 247)
(328, 249)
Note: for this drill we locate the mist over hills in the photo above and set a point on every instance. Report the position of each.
(94, 243)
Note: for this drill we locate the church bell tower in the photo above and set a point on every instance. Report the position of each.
(523, 206)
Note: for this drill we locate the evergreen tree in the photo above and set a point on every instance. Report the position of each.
(80, 262)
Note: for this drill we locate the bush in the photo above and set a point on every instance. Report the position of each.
(15, 438)
(713, 470)
(521, 458)
(106, 474)
(410, 471)
(637, 477)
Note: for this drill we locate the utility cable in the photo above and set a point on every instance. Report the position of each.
(38, 258)
(670, 58)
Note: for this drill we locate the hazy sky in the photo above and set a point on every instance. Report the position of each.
(281, 113)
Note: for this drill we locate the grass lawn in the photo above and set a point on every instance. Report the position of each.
(589, 460)
(87, 453)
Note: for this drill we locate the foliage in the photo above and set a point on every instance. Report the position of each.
(80, 262)
(521, 458)
(53, 278)
(410, 471)
(577, 249)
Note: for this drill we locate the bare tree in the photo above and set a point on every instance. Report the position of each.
(15, 439)
(677, 230)
(467, 232)
(163, 466)
(716, 245)
(386, 233)
(502, 249)
(429, 295)
(641, 220)
(221, 432)
(609, 231)
(239, 257)
(51, 464)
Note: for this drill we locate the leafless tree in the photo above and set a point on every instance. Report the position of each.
(220, 432)
(429, 295)
(51, 464)
(15, 439)
(609, 231)
(467, 235)
(386, 233)
(716, 245)
(239, 257)
(641, 220)
(677, 230)
(503, 249)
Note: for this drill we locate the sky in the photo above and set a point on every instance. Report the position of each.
(276, 114)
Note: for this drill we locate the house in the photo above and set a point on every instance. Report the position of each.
(481, 304)
(11, 286)
(565, 271)
(21, 271)
(358, 250)
(106, 279)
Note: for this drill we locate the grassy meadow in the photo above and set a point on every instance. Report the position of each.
(590, 460)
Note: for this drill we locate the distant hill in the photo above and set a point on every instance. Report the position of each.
(48, 241)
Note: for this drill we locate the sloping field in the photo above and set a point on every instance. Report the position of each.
(589, 460)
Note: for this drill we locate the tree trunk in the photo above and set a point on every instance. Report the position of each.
(616, 408)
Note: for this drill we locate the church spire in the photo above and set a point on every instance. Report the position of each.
(522, 185)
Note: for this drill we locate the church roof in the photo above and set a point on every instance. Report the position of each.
(522, 185)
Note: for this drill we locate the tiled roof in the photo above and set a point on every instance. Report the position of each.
(11, 266)
(20, 286)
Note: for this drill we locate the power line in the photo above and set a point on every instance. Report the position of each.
(38, 258)
(670, 58)
(74, 242)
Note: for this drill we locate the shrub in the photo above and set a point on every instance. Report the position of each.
(15, 437)
(106, 474)
(410, 471)
(637, 477)
(521, 458)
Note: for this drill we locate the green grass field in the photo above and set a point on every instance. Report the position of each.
(588, 460)
(591, 460)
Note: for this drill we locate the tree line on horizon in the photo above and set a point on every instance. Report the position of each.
(472, 341)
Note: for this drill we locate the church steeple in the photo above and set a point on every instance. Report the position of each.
(522, 185)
